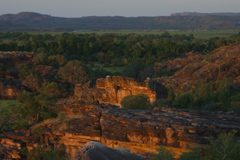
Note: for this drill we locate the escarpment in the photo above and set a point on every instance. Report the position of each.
(114, 89)
(139, 131)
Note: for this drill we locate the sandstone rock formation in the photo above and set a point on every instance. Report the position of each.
(10, 89)
(97, 151)
(114, 89)
(220, 63)
(13, 58)
(172, 66)
(139, 131)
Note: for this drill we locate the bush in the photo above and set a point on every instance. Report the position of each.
(132, 69)
(194, 154)
(140, 101)
(3, 67)
(161, 103)
(224, 147)
(164, 154)
(24, 71)
(74, 72)
(183, 100)
(46, 153)
(34, 108)
(49, 88)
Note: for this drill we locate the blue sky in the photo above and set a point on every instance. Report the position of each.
(128, 8)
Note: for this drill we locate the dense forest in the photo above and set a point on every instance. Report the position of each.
(111, 49)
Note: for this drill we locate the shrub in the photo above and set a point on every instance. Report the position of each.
(224, 147)
(183, 100)
(140, 101)
(164, 154)
(49, 88)
(132, 69)
(171, 95)
(161, 103)
(46, 153)
(24, 71)
(34, 108)
(194, 154)
(3, 67)
(73, 72)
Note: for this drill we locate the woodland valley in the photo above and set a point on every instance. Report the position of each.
(69, 95)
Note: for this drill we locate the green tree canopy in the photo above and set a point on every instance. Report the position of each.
(74, 72)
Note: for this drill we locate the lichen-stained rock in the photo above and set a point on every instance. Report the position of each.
(10, 89)
(138, 131)
(114, 89)
(220, 63)
(12, 58)
(97, 151)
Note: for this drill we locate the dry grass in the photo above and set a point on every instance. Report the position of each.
(58, 121)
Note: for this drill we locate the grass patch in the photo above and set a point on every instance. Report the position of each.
(109, 69)
(59, 120)
(7, 103)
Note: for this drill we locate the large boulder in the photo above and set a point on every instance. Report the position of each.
(97, 151)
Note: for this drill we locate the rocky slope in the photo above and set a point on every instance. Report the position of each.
(220, 63)
(139, 131)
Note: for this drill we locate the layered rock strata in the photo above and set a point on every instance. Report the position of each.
(139, 131)
(114, 89)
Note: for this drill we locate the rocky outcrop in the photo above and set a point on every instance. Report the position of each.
(12, 58)
(114, 89)
(9, 74)
(9, 89)
(220, 63)
(171, 66)
(139, 131)
(97, 151)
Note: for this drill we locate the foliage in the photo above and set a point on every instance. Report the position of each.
(110, 49)
(219, 95)
(224, 147)
(34, 108)
(49, 88)
(24, 71)
(183, 100)
(195, 153)
(171, 95)
(47, 153)
(132, 69)
(164, 154)
(61, 116)
(73, 72)
(140, 101)
(7, 118)
(161, 103)
(3, 67)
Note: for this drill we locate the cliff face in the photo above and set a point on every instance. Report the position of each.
(139, 131)
(114, 89)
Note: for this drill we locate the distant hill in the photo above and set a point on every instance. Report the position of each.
(205, 14)
(177, 21)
